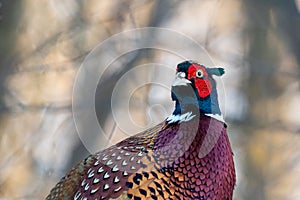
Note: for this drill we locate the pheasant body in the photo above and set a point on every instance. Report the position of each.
(182, 158)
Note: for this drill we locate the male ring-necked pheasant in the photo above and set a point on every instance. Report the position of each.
(188, 156)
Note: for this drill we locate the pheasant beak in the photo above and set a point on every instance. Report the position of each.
(180, 79)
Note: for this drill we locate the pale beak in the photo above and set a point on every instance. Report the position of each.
(180, 79)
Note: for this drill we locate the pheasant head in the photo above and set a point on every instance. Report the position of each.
(194, 91)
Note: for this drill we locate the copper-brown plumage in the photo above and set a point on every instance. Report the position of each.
(191, 159)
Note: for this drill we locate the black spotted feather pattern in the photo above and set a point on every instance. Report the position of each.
(164, 162)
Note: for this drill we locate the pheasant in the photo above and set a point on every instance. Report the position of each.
(188, 156)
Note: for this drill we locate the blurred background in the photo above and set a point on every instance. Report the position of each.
(43, 44)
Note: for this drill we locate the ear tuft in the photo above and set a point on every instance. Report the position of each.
(216, 71)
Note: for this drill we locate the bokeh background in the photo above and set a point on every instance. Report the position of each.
(43, 44)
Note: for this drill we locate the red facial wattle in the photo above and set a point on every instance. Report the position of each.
(203, 84)
(204, 87)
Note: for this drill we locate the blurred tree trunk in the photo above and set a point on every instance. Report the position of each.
(258, 88)
(288, 19)
(9, 18)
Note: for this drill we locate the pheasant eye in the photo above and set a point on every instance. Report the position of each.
(199, 73)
